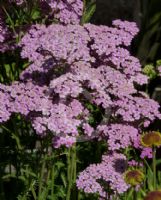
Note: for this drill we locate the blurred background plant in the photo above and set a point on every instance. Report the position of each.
(148, 44)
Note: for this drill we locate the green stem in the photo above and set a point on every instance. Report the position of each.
(69, 174)
(135, 194)
(33, 192)
(10, 20)
(154, 167)
(71, 171)
(74, 171)
(41, 179)
(52, 182)
(126, 196)
(79, 195)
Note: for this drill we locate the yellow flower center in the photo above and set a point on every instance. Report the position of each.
(134, 177)
(151, 139)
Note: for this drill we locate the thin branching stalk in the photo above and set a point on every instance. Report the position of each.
(41, 179)
(71, 170)
(52, 182)
(154, 167)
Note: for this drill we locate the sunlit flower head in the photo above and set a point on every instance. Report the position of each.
(151, 139)
(134, 177)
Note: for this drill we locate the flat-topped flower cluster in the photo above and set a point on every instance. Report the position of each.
(72, 65)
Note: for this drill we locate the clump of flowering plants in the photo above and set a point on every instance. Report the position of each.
(75, 70)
